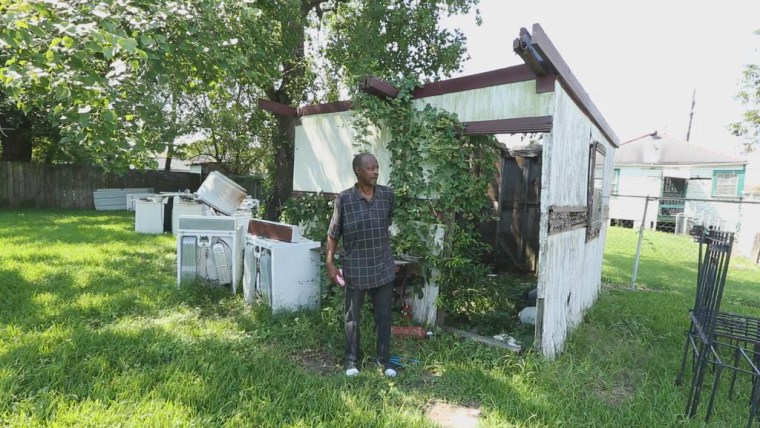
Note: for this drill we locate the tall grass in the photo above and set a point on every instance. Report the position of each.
(93, 332)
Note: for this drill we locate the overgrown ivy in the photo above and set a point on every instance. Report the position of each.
(440, 179)
(312, 212)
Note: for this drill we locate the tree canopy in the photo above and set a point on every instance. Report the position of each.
(749, 96)
(99, 70)
(116, 81)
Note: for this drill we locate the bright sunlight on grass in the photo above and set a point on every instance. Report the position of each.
(93, 332)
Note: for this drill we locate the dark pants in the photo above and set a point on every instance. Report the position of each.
(382, 304)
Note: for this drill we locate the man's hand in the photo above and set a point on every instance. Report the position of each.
(333, 273)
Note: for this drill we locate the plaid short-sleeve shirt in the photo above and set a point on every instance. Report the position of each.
(363, 226)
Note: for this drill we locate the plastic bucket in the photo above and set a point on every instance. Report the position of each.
(221, 193)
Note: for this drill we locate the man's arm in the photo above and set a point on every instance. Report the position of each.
(334, 231)
(332, 271)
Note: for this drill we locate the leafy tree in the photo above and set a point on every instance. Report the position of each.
(98, 68)
(24, 137)
(120, 79)
(749, 95)
(324, 47)
(235, 131)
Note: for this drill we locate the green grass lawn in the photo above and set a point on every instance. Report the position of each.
(93, 332)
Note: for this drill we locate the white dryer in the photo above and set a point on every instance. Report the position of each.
(286, 275)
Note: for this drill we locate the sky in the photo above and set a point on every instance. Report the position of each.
(639, 61)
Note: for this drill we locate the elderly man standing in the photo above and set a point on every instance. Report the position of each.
(361, 218)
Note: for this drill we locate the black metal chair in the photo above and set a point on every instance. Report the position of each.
(701, 341)
(718, 340)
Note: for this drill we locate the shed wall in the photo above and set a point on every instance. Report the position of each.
(569, 267)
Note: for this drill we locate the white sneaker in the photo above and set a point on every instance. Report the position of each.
(390, 372)
(351, 369)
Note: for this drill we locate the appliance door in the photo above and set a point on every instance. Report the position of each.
(264, 285)
(250, 271)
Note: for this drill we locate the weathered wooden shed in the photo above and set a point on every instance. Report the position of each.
(569, 204)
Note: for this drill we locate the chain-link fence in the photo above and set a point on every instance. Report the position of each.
(649, 242)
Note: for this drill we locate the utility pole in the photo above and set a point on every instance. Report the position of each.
(691, 115)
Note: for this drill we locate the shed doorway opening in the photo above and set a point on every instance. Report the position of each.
(492, 304)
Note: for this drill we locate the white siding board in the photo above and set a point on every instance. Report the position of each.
(630, 172)
(640, 185)
(560, 272)
(325, 145)
(636, 181)
(513, 100)
(569, 151)
(724, 214)
(592, 277)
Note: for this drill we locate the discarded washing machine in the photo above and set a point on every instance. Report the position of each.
(210, 248)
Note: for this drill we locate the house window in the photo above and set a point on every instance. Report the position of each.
(616, 182)
(727, 183)
(597, 155)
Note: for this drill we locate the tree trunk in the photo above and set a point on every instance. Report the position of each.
(17, 142)
(292, 91)
(169, 157)
(284, 139)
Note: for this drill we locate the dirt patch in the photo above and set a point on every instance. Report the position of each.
(621, 390)
(447, 415)
(316, 362)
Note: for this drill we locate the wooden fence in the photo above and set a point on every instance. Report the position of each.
(29, 185)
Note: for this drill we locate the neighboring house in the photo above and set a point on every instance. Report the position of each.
(752, 193)
(693, 184)
(570, 192)
(201, 164)
(177, 165)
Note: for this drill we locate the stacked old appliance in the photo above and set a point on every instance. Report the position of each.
(210, 229)
(225, 246)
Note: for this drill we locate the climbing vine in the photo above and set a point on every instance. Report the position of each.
(311, 212)
(440, 178)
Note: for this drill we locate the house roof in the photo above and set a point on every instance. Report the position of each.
(656, 149)
(178, 165)
(201, 160)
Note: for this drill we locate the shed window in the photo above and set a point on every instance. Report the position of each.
(597, 155)
(727, 183)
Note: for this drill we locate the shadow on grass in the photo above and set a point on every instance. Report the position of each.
(58, 296)
(213, 380)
